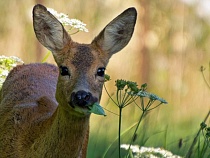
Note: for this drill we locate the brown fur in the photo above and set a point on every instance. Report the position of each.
(36, 117)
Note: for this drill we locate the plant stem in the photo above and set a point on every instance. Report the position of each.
(154, 107)
(190, 151)
(74, 32)
(204, 78)
(110, 95)
(141, 117)
(119, 130)
(45, 57)
(118, 100)
(116, 139)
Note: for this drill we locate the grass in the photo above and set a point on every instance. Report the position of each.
(153, 132)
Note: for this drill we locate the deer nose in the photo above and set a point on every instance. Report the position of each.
(81, 98)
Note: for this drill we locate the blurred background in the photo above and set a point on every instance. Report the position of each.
(170, 43)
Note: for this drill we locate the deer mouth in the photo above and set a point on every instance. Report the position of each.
(87, 106)
(81, 109)
(82, 101)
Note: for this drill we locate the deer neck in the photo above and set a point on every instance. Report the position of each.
(66, 135)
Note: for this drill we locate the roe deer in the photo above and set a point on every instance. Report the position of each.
(44, 109)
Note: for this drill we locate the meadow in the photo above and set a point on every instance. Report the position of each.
(170, 43)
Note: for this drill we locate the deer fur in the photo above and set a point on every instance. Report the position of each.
(37, 115)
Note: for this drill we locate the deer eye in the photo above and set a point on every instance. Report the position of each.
(100, 71)
(64, 71)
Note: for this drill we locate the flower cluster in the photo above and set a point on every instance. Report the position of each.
(132, 86)
(151, 96)
(132, 89)
(6, 65)
(64, 19)
(128, 93)
(147, 152)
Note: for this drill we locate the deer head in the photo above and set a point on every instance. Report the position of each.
(82, 66)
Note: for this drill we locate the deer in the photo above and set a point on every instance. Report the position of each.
(44, 109)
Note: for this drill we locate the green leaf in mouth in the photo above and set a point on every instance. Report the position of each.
(97, 109)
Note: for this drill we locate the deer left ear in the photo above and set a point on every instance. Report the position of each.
(49, 31)
(116, 35)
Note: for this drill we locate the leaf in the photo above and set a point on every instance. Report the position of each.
(97, 109)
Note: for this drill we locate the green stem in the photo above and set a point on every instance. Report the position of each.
(138, 105)
(45, 57)
(142, 103)
(154, 107)
(141, 117)
(130, 101)
(126, 99)
(190, 151)
(122, 133)
(124, 95)
(110, 95)
(110, 111)
(119, 131)
(204, 78)
(118, 101)
(74, 32)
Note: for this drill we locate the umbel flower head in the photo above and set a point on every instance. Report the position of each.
(64, 19)
(149, 152)
(132, 89)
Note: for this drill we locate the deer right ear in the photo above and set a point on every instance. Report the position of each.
(49, 31)
(117, 33)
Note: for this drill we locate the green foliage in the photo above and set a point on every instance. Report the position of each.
(127, 93)
(97, 109)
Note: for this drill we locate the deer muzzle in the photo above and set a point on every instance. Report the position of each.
(82, 99)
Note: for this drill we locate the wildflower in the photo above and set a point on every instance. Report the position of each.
(16, 60)
(155, 97)
(144, 86)
(107, 78)
(64, 19)
(149, 152)
(151, 96)
(6, 65)
(4, 72)
(120, 84)
(132, 86)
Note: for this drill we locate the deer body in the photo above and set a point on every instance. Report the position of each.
(44, 109)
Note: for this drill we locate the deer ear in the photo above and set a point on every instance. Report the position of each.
(117, 33)
(49, 31)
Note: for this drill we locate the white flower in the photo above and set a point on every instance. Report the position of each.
(2, 57)
(11, 59)
(16, 59)
(79, 25)
(64, 19)
(134, 148)
(4, 72)
(149, 151)
(6, 65)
